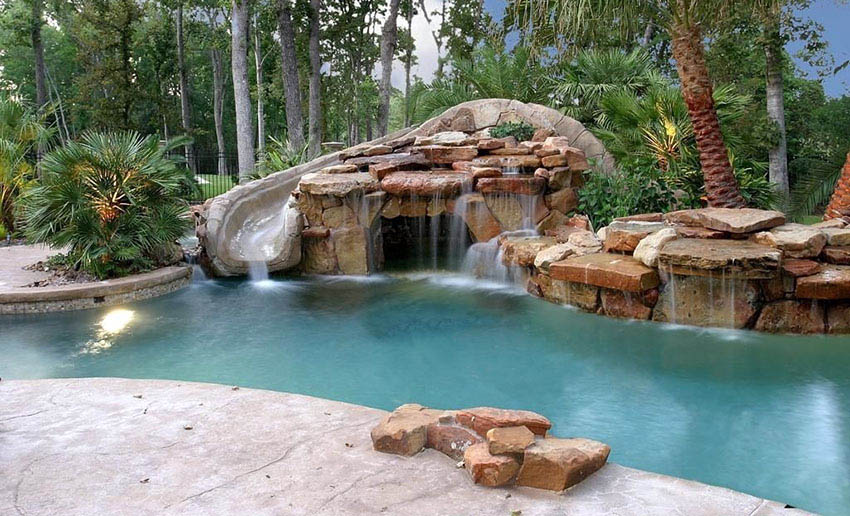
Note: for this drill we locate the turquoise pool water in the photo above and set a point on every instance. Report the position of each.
(768, 415)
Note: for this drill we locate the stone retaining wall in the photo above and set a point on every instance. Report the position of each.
(94, 295)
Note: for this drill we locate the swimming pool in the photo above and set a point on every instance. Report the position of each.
(767, 415)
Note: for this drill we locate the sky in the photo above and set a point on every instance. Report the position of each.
(835, 19)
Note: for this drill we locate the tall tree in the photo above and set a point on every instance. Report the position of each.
(409, 45)
(775, 92)
(214, 17)
(241, 89)
(684, 21)
(315, 98)
(38, 51)
(185, 101)
(258, 65)
(389, 39)
(289, 69)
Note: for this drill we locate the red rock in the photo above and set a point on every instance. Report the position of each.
(544, 152)
(404, 430)
(482, 172)
(836, 255)
(316, 232)
(555, 160)
(565, 200)
(542, 173)
(576, 159)
(412, 162)
(541, 134)
(515, 161)
(614, 271)
(447, 154)
(450, 440)
(790, 316)
(524, 185)
(511, 151)
(462, 166)
(557, 464)
(838, 317)
(482, 419)
(800, 267)
(623, 240)
(443, 183)
(698, 232)
(489, 470)
(581, 222)
(832, 282)
(625, 305)
(642, 217)
(489, 144)
(562, 233)
(511, 439)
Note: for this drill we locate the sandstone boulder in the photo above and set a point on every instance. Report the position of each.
(338, 185)
(732, 258)
(522, 185)
(451, 138)
(649, 248)
(557, 464)
(521, 251)
(551, 254)
(838, 317)
(404, 431)
(798, 268)
(606, 270)
(565, 200)
(837, 236)
(791, 316)
(511, 439)
(732, 220)
(450, 440)
(487, 469)
(796, 240)
(482, 419)
(480, 221)
(350, 244)
(832, 282)
(443, 154)
(412, 162)
(339, 169)
(430, 183)
(708, 301)
(839, 255)
(624, 305)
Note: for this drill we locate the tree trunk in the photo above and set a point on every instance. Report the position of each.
(218, 108)
(241, 90)
(389, 38)
(778, 155)
(315, 100)
(408, 62)
(40, 81)
(185, 106)
(258, 64)
(721, 187)
(289, 68)
(839, 203)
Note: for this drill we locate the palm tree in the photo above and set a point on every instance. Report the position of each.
(684, 20)
(839, 204)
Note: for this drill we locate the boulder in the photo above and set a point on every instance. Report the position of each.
(511, 439)
(557, 464)
(511, 151)
(576, 159)
(482, 419)
(392, 208)
(451, 138)
(319, 255)
(836, 255)
(564, 177)
(791, 316)
(732, 258)
(624, 237)
(796, 240)
(565, 200)
(541, 134)
(412, 162)
(339, 169)
(352, 255)
(338, 185)
(562, 233)
(708, 301)
(442, 154)
(450, 440)
(555, 160)
(522, 185)
(649, 248)
(365, 161)
(832, 282)
(838, 317)
(377, 150)
(732, 220)
(488, 144)
(430, 183)
(580, 221)
(698, 232)
(543, 152)
(831, 223)
(404, 431)
(338, 216)
(798, 268)
(624, 305)
(522, 251)
(515, 161)
(642, 217)
(409, 207)
(606, 270)
(585, 297)
(551, 254)
(837, 236)
(487, 469)
(552, 220)
(480, 221)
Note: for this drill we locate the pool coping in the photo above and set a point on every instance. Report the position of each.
(20, 300)
(169, 447)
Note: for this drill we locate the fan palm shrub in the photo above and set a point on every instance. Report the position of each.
(21, 132)
(113, 199)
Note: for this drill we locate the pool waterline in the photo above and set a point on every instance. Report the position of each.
(767, 415)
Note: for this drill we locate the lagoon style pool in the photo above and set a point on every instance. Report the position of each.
(767, 415)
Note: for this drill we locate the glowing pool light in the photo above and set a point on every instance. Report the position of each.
(116, 320)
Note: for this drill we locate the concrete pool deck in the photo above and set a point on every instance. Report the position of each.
(109, 446)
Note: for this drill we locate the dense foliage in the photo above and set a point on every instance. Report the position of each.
(519, 130)
(112, 199)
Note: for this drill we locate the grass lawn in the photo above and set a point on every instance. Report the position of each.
(211, 185)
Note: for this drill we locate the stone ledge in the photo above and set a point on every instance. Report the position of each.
(90, 295)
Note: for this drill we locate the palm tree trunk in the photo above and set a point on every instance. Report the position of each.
(315, 101)
(389, 38)
(778, 155)
(721, 187)
(241, 90)
(218, 108)
(839, 203)
(289, 68)
(185, 106)
(261, 117)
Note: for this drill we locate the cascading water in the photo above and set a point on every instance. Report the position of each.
(257, 238)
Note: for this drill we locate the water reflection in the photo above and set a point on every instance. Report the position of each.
(109, 326)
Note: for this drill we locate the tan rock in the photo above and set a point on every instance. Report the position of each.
(551, 221)
(404, 431)
(708, 302)
(732, 220)
(557, 464)
(522, 185)
(311, 207)
(580, 221)
(482, 419)
(392, 208)
(480, 221)
(442, 154)
(451, 138)
(551, 254)
(838, 317)
(521, 251)
(564, 177)
(515, 161)
(555, 160)
(832, 282)
(576, 159)
(642, 217)
(338, 185)
(409, 207)
(542, 152)
(732, 258)
(533, 147)
(507, 209)
(649, 248)
(837, 236)
(831, 223)
(698, 232)
(426, 183)
(541, 134)
(796, 240)
(377, 150)
(412, 162)
(606, 270)
(790, 316)
(351, 252)
(319, 255)
(339, 169)
(488, 144)
(365, 161)
(565, 200)
(836, 255)
(511, 439)
(489, 470)
(511, 151)
(450, 439)
(563, 232)
(624, 305)
(339, 216)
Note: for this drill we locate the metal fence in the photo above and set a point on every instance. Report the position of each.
(215, 173)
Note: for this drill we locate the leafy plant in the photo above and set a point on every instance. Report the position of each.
(519, 130)
(113, 199)
(280, 155)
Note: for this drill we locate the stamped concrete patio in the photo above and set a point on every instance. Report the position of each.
(110, 446)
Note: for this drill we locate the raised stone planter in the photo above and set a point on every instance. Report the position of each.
(96, 294)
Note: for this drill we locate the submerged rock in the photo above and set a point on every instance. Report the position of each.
(557, 464)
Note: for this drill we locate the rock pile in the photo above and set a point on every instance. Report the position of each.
(498, 447)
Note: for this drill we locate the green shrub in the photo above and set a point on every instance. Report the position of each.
(519, 130)
(114, 199)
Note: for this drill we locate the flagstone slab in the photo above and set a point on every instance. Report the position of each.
(832, 282)
(733, 220)
(614, 271)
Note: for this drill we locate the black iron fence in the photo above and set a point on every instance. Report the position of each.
(215, 173)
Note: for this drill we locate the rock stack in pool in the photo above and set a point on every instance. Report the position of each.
(498, 447)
